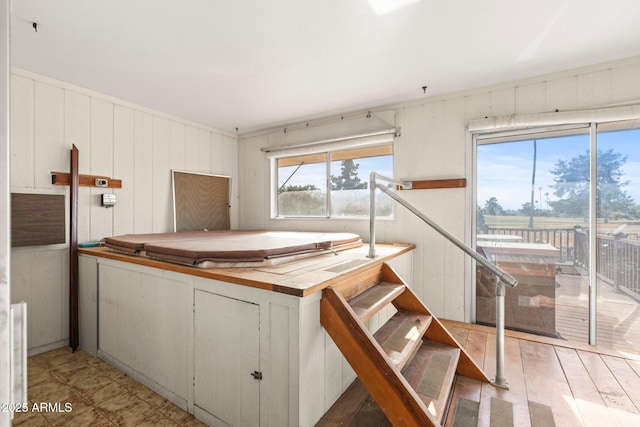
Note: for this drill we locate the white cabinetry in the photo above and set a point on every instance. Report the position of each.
(227, 372)
(198, 340)
(143, 325)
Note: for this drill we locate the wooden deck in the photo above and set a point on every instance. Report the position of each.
(582, 385)
(618, 315)
(552, 382)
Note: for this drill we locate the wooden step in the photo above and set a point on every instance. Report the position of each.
(355, 407)
(408, 365)
(401, 336)
(431, 374)
(375, 299)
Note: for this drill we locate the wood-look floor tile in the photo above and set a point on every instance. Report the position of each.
(107, 369)
(52, 392)
(74, 372)
(90, 382)
(91, 417)
(62, 414)
(158, 420)
(136, 388)
(105, 392)
(59, 357)
(193, 422)
(127, 410)
(155, 400)
(175, 413)
(100, 395)
(38, 374)
(29, 418)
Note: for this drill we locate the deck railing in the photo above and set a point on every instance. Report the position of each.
(617, 260)
(617, 256)
(502, 278)
(561, 238)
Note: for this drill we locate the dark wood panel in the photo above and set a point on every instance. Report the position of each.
(435, 184)
(438, 183)
(201, 201)
(63, 178)
(74, 280)
(37, 219)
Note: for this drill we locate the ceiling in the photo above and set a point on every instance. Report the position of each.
(251, 64)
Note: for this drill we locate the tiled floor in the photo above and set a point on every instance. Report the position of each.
(76, 389)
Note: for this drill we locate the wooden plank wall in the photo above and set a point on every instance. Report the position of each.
(114, 138)
(434, 145)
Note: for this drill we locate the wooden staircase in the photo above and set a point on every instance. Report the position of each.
(408, 365)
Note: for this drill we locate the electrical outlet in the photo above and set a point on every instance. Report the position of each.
(102, 182)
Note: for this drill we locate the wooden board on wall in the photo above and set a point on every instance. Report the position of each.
(201, 201)
(37, 219)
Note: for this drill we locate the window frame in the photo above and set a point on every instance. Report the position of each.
(386, 149)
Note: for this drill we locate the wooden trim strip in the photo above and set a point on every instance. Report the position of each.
(257, 277)
(63, 178)
(434, 184)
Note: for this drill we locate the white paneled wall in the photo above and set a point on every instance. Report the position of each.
(435, 145)
(116, 139)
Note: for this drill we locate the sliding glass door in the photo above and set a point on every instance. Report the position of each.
(618, 236)
(538, 196)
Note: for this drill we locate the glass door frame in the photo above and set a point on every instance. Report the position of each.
(529, 133)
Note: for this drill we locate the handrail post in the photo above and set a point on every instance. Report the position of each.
(502, 278)
(499, 380)
(372, 215)
(372, 206)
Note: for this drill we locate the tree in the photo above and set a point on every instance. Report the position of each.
(572, 180)
(492, 207)
(307, 187)
(481, 226)
(526, 209)
(348, 179)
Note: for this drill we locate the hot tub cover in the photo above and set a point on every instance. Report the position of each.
(231, 246)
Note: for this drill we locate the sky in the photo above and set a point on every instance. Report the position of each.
(505, 169)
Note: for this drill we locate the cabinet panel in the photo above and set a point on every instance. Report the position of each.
(143, 324)
(227, 352)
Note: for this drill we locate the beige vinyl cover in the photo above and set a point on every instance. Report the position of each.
(195, 247)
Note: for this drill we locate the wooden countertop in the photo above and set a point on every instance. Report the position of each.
(299, 278)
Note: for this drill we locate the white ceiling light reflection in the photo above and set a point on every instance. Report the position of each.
(382, 7)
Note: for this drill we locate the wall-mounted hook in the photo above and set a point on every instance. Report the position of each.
(35, 26)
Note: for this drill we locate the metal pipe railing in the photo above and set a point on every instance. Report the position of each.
(503, 278)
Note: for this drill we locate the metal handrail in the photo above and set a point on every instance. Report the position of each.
(503, 278)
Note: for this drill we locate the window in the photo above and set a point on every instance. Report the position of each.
(332, 184)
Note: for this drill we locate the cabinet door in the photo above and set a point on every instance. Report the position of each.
(226, 354)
